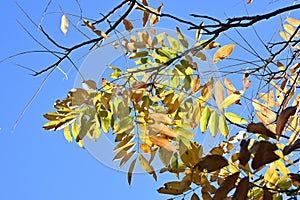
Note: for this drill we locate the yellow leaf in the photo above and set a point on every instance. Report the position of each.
(146, 166)
(199, 31)
(101, 34)
(162, 142)
(235, 118)
(75, 132)
(230, 100)
(213, 123)
(223, 53)
(64, 25)
(128, 25)
(294, 22)
(282, 168)
(212, 45)
(223, 126)
(284, 35)
(155, 17)
(67, 134)
(182, 38)
(204, 119)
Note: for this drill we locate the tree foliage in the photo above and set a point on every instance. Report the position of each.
(155, 107)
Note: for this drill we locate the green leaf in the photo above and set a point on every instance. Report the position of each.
(158, 38)
(214, 123)
(223, 126)
(204, 119)
(139, 54)
(184, 133)
(174, 44)
(235, 118)
(182, 38)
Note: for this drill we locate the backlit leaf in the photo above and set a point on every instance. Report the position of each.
(223, 53)
(230, 100)
(162, 142)
(128, 25)
(214, 123)
(67, 134)
(219, 91)
(195, 84)
(223, 126)
(293, 21)
(204, 119)
(101, 34)
(130, 171)
(199, 31)
(182, 38)
(235, 118)
(64, 25)
(89, 25)
(146, 166)
(174, 44)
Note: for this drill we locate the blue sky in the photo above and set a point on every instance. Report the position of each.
(36, 164)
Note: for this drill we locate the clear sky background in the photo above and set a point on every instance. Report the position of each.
(41, 165)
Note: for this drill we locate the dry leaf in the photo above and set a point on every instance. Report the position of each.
(242, 189)
(211, 163)
(199, 31)
(249, 1)
(155, 17)
(101, 33)
(244, 154)
(261, 129)
(195, 85)
(128, 25)
(89, 25)
(227, 185)
(283, 118)
(212, 45)
(289, 148)
(229, 86)
(130, 171)
(64, 25)
(223, 53)
(162, 142)
(263, 154)
(145, 148)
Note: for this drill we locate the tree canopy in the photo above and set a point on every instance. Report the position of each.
(165, 94)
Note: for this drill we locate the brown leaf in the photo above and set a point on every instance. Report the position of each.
(244, 154)
(229, 86)
(195, 197)
(267, 194)
(89, 85)
(289, 148)
(163, 129)
(162, 142)
(295, 179)
(227, 185)
(261, 129)
(249, 1)
(128, 25)
(242, 189)
(263, 154)
(130, 171)
(211, 163)
(155, 17)
(195, 85)
(283, 118)
(101, 34)
(172, 188)
(295, 68)
(223, 53)
(89, 25)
